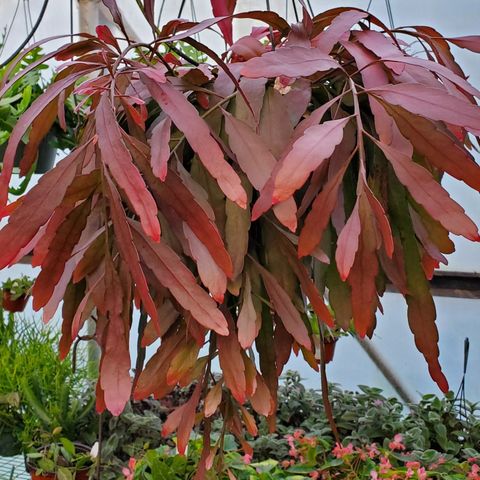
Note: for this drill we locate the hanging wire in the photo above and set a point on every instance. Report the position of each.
(25, 17)
(294, 5)
(7, 34)
(29, 36)
(272, 38)
(310, 8)
(162, 6)
(369, 5)
(182, 6)
(390, 14)
(71, 21)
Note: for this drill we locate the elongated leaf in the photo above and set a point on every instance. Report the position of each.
(438, 145)
(285, 309)
(59, 251)
(348, 242)
(128, 250)
(196, 131)
(289, 61)
(470, 42)
(174, 275)
(249, 321)
(115, 363)
(213, 399)
(160, 148)
(307, 154)
(225, 8)
(211, 274)
(231, 363)
(119, 161)
(433, 103)
(340, 26)
(430, 194)
(37, 207)
(319, 216)
(182, 419)
(21, 126)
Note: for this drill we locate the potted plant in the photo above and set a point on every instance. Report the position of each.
(192, 193)
(16, 293)
(60, 460)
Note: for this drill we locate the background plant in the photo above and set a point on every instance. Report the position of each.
(40, 393)
(193, 196)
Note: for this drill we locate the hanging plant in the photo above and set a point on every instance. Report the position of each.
(225, 199)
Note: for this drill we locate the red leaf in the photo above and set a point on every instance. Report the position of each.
(471, 42)
(167, 315)
(231, 363)
(115, 364)
(21, 127)
(262, 401)
(430, 194)
(224, 8)
(160, 148)
(319, 216)
(59, 251)
(213, 399)
(177, 201)
(119, 161)
(211, 274)
(289, 61)
(307, 154)
(257, 161)
(106, 35)
(348, 242)
(127, 248)
(438, 146)
(433, 103)
(182, 419)
(339, 28)
(196, 131)
(149, 9)
(174, 275)
(285, 309)
(37, 207)
(248, 322)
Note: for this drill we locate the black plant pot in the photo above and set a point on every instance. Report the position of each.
(46, 155)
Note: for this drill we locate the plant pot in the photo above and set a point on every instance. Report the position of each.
(14, 305)
(79, 475)
(46, 155)
(329, 349)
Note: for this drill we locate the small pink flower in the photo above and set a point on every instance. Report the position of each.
(472, 459)
(410, 473)
(385, 464)
(474, 472)
(314, 474)
(396, 443)
(129, 471)
(413, 465)
(372, 450)
(340, 451)
(298, 434)
(247, 459)
(285, 463)
(422, 473)
(374, 475)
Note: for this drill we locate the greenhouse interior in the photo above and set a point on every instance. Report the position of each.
(239, 239)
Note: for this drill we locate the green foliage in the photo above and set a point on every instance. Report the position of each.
(61, 457)
(17, 286)
(38, 391)
(368, 416)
